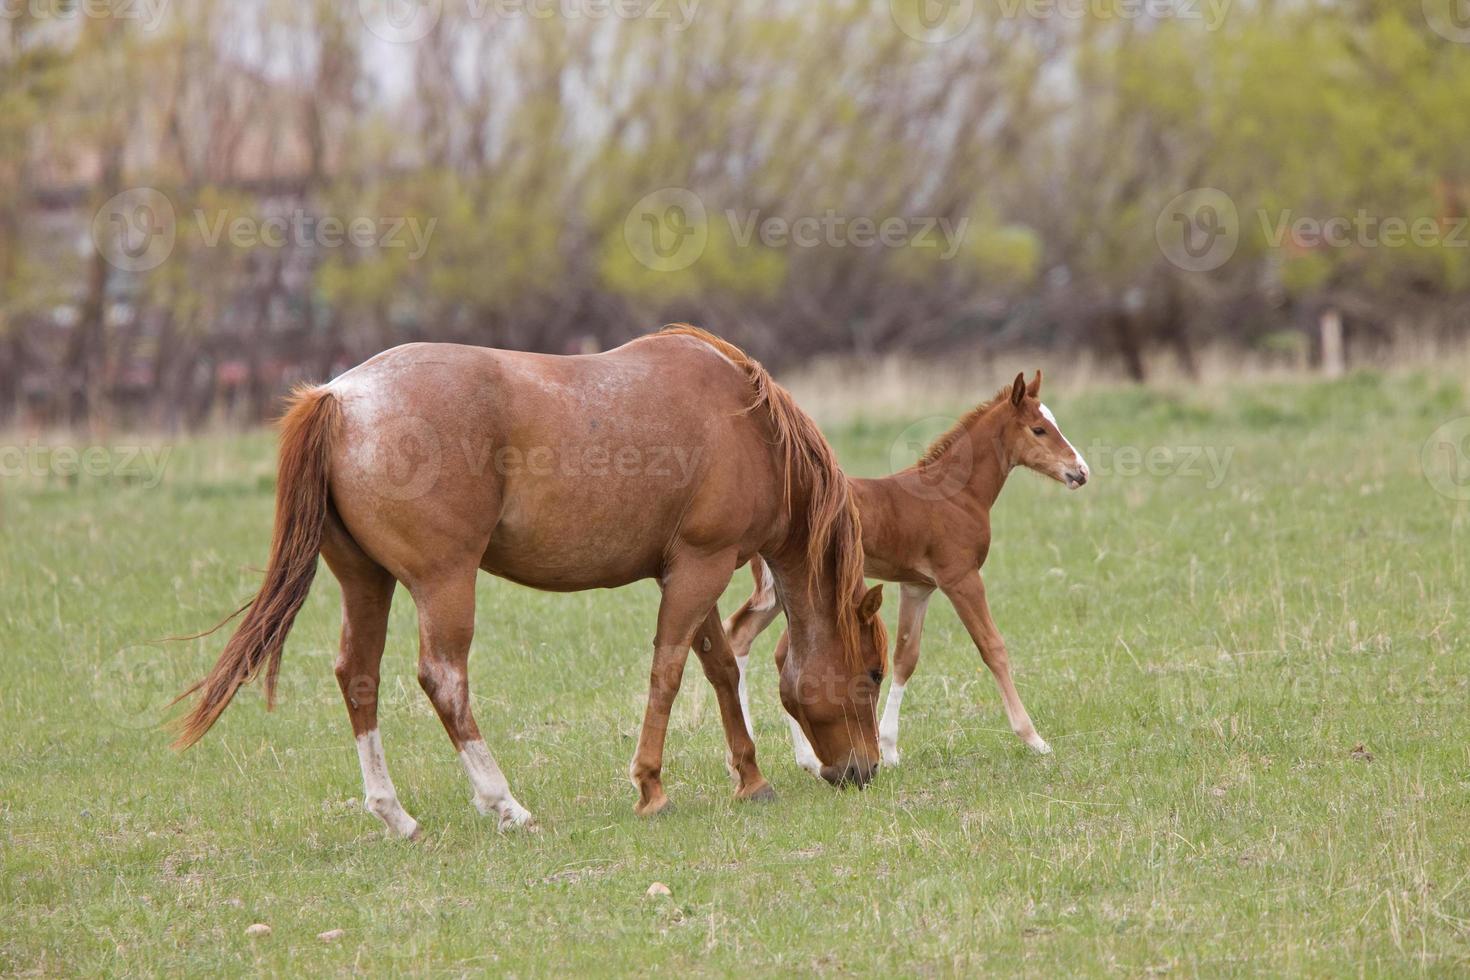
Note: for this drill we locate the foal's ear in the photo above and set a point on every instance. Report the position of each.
(1018, 390)
(872, 602)
(1034, 388)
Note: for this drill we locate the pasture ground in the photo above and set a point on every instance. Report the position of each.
(1256, 688)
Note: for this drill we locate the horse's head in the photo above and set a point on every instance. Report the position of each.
(1033, 438)
(834, 696)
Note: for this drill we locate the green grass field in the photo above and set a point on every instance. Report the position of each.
(1255, 682)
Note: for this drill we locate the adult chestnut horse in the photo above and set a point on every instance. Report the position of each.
(928, 527)
(674, 457)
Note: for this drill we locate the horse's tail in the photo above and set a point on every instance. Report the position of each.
(308, 430)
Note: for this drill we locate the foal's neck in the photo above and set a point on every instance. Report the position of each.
(977, 463)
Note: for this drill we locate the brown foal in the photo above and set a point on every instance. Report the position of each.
(928, 527)
(674, 457)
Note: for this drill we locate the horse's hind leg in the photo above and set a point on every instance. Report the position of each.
(367, 594)
(446, 625)
(747, 623)
(713, 649)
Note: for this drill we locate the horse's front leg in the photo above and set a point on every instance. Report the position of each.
(967, 593)
(728, 681)
(691, 586)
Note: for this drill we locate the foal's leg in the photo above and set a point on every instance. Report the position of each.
(691, 587)
(968, 595)
(806, 756)
(367, 594)
(747, 623)
(719, 666)
(913, 603)
(446, 626)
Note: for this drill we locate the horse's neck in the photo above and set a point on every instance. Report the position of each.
(806, 595)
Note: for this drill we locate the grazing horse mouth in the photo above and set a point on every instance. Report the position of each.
(1074, 478)
(855, 773)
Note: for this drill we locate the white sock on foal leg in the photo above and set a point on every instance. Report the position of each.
(381, 797)
(806, 757)
(888, 726)
(742, 663)
(492, 792)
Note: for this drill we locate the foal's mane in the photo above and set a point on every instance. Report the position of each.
(938, 446)
(831, 514)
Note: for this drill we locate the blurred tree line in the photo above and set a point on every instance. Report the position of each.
(176, 175)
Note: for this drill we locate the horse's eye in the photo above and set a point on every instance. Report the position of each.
(1038, 430)
(876, 675)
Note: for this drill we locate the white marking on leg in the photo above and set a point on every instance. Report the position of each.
(741, 663)
(380, 796)
(806, 756)
(765, 598)
(492, 792)
(888, 727)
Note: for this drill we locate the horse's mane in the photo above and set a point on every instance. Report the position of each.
(938, 446)
(831, 514)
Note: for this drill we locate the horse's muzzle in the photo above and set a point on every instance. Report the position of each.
(855, 773)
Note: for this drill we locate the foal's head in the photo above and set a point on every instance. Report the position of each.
(1032, 438)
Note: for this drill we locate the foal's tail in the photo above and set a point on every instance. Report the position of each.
(308, 430)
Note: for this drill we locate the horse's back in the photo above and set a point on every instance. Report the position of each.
(562, 472)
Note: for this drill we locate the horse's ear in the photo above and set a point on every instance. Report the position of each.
(1018, 390)
(1034, 388)
(872, 602)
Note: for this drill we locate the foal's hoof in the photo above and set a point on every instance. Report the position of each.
(763, 793)
(1038, 745)
(518, 819)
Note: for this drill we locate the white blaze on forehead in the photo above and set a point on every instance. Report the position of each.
(1046, 414)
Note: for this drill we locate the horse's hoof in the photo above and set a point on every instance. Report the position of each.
(654, 807)
(764, 793)
(415, 835)
(1039, 746)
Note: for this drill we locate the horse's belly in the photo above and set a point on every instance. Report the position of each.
(565, 545)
